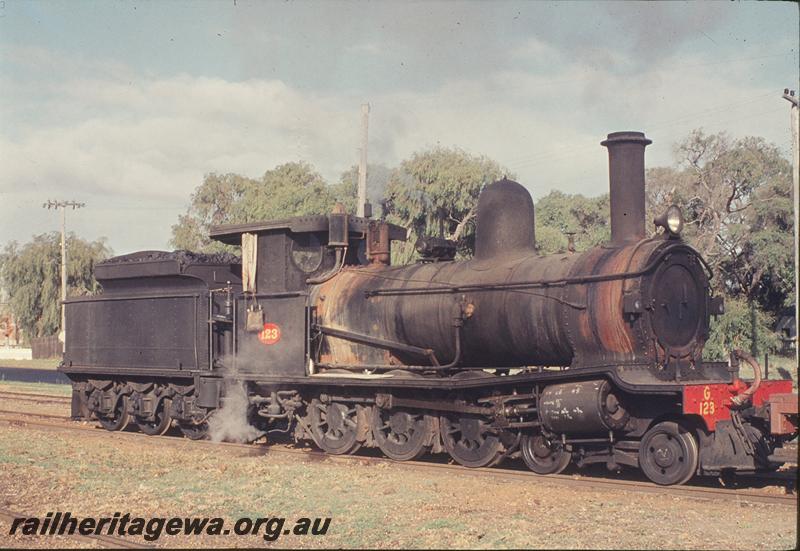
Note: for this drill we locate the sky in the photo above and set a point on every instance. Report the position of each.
(125, 106)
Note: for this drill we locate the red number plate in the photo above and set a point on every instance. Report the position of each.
(712, 402)
(270, 334)
(708, 401)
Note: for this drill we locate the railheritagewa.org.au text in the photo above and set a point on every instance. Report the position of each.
(152, 529)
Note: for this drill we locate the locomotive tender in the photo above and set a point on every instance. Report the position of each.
(575, 357)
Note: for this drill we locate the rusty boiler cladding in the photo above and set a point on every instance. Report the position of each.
(509, 306)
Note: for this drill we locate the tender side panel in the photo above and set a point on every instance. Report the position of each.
(138, 332)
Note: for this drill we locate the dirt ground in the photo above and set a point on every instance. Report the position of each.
(96, 473)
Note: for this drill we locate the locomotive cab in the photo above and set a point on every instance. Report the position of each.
(281, 260)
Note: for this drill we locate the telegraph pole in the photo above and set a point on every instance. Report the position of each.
(790, 96)
(362, 165)
(63, 206)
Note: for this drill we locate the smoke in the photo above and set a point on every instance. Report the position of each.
(231, 423)
(377, 180)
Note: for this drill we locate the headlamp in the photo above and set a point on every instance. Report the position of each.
(671, 220)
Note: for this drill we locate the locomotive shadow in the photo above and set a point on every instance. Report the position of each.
(787, 480)
(784, 479)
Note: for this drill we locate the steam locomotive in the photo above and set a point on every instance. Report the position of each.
(592, 357)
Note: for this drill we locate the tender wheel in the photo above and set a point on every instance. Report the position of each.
(335, 427)
(400, 435)
(470, 441)
(194, 432)
(543, 457)
(119, 419)
(162, 421)
(668, 454)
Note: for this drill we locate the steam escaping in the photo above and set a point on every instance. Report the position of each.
(231, 423)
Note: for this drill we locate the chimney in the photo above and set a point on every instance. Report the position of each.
(626, 182)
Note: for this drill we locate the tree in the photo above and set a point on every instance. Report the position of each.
(436, 191)
(31, 274)
(559, 213)
(734, 329)
(736, 196)
(213, 203)
(290, 189)
(378, 177)
(763, 266)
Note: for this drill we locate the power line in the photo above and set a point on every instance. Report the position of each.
(569, 151)
(521, 161)
(62, 205)
(590, 173)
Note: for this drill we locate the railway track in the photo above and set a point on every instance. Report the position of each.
(37, 415)
(701, 490)
(33, 397)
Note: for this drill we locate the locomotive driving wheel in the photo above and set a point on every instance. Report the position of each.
(401, 435)
(120, 417)
(335, 426)
(668, 454)
(470, 441)
(162, 420)
(542, 456)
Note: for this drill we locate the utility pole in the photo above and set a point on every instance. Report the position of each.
(361, 208)
(790, 96)
(63, 206)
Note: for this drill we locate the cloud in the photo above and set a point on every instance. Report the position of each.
(135, 145)
(368, 48)
(535, 48)
(158, 136)
(660, 28)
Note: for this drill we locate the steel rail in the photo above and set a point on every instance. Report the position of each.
(692, 492)
(34, 414)
(31, 397)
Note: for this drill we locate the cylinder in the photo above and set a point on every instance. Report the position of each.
(589, 407)
(626, 182)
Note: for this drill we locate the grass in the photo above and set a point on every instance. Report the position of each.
(49, 363)
(371, 506)
(779, 366)
(36, 388)
(782, 362)
(218, 485)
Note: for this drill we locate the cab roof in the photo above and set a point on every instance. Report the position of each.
(231, 234)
